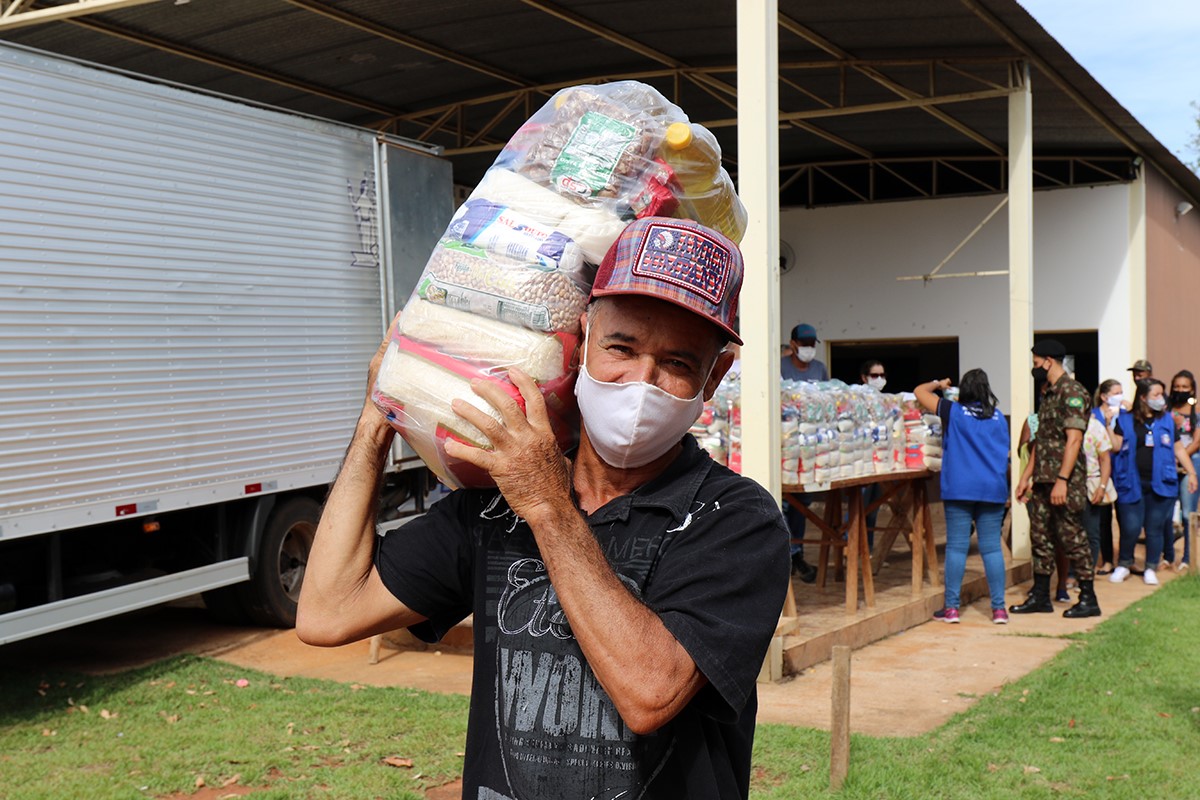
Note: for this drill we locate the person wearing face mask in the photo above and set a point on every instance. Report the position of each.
(1097, 446)
(624, 595)
(1148, 446)
(1054, 484)
(1183, 409)
(803, 364)
(1109, 400)
(872, 374)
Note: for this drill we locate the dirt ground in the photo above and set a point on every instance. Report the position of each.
(905, 685)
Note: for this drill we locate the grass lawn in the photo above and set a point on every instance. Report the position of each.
(1113, 716)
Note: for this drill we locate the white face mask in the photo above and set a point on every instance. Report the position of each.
(632, 424)
(1156, 403)
(1115, 400)
(806, 354)
(877, 383)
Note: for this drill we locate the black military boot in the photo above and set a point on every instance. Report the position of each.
(1087, 605)
(1039, 598)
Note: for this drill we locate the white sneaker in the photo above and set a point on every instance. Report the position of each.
(1119, 574)
(1150, 578)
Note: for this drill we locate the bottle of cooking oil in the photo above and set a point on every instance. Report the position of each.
(707, 194)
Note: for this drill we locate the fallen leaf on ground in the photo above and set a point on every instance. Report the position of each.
(993, 767)
(106, 714)
(199, 781)
(1032, 770)
(1164, 714)
(1057, 739)
(230, 781)
(1117, 778)
(397, 761)
(1071, 724)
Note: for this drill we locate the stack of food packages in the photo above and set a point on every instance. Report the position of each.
(829, 431)
(922, 437)
(507, 282)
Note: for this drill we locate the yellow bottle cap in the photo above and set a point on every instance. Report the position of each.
(679, 135)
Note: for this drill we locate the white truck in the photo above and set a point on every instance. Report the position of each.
(190, 289)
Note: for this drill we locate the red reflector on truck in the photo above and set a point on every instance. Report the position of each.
(125, 511)
(253, 488)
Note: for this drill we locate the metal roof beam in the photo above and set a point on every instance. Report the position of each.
(604, 32)
(816, 39)
(384, 32)
(870, 108)
(610, 35)
(1016, 43)
(12, 17)
(184, 51)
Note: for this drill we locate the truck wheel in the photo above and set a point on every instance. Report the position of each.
(274, 587)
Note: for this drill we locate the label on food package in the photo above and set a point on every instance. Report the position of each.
(586, 164)
(501, 231)
(486, 304)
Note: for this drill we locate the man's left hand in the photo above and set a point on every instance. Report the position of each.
(524, 461)
(1193, 484)
(1058, 495)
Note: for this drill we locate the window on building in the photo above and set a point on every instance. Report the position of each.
(907, 362)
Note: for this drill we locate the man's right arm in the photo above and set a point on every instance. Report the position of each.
(343, 598)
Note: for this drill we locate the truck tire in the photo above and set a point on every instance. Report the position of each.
(274, 588)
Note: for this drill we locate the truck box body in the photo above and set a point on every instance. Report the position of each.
(190, 289)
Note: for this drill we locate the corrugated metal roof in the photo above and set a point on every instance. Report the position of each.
(364, 61)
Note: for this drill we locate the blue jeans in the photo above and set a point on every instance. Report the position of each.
(1092, 517)
(1187, 504)
(987, 518)
(796, 522)
(1149, 514)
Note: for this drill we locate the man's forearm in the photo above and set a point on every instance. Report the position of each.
(342, 552)
(640, 664)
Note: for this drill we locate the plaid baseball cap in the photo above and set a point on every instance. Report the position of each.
(679, 261)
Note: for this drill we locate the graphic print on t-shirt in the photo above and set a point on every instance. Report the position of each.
(559, 733)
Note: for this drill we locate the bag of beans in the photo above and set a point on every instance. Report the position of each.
(506, 284)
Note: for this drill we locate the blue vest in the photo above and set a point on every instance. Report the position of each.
(1163, 477)
(975, 457)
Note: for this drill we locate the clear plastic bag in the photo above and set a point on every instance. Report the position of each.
(511, 275)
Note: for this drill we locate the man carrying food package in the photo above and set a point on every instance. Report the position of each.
(624, 595)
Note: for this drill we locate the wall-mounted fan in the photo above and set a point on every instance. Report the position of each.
(787, 257)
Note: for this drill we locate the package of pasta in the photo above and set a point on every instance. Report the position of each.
(510, 277)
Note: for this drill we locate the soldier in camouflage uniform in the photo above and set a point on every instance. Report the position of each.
(1054, 484)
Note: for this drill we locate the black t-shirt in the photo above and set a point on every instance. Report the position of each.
(702, 547)
(1144, 454)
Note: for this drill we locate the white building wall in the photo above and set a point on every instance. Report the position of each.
(848, 259)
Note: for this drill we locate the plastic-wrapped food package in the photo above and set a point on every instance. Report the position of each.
(506, 284)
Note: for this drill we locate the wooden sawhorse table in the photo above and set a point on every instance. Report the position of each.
(905, 493)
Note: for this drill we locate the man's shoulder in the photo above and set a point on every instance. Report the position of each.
(725, 486)
(1074, 397)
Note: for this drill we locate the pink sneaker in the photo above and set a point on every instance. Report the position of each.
(947, 615)
(999, 616)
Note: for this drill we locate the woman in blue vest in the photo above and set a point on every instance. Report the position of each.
(1147, 449)
(974, 484)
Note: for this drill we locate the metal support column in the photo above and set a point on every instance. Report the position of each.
(1020, 282)
(758, 185)
(1136, 256)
